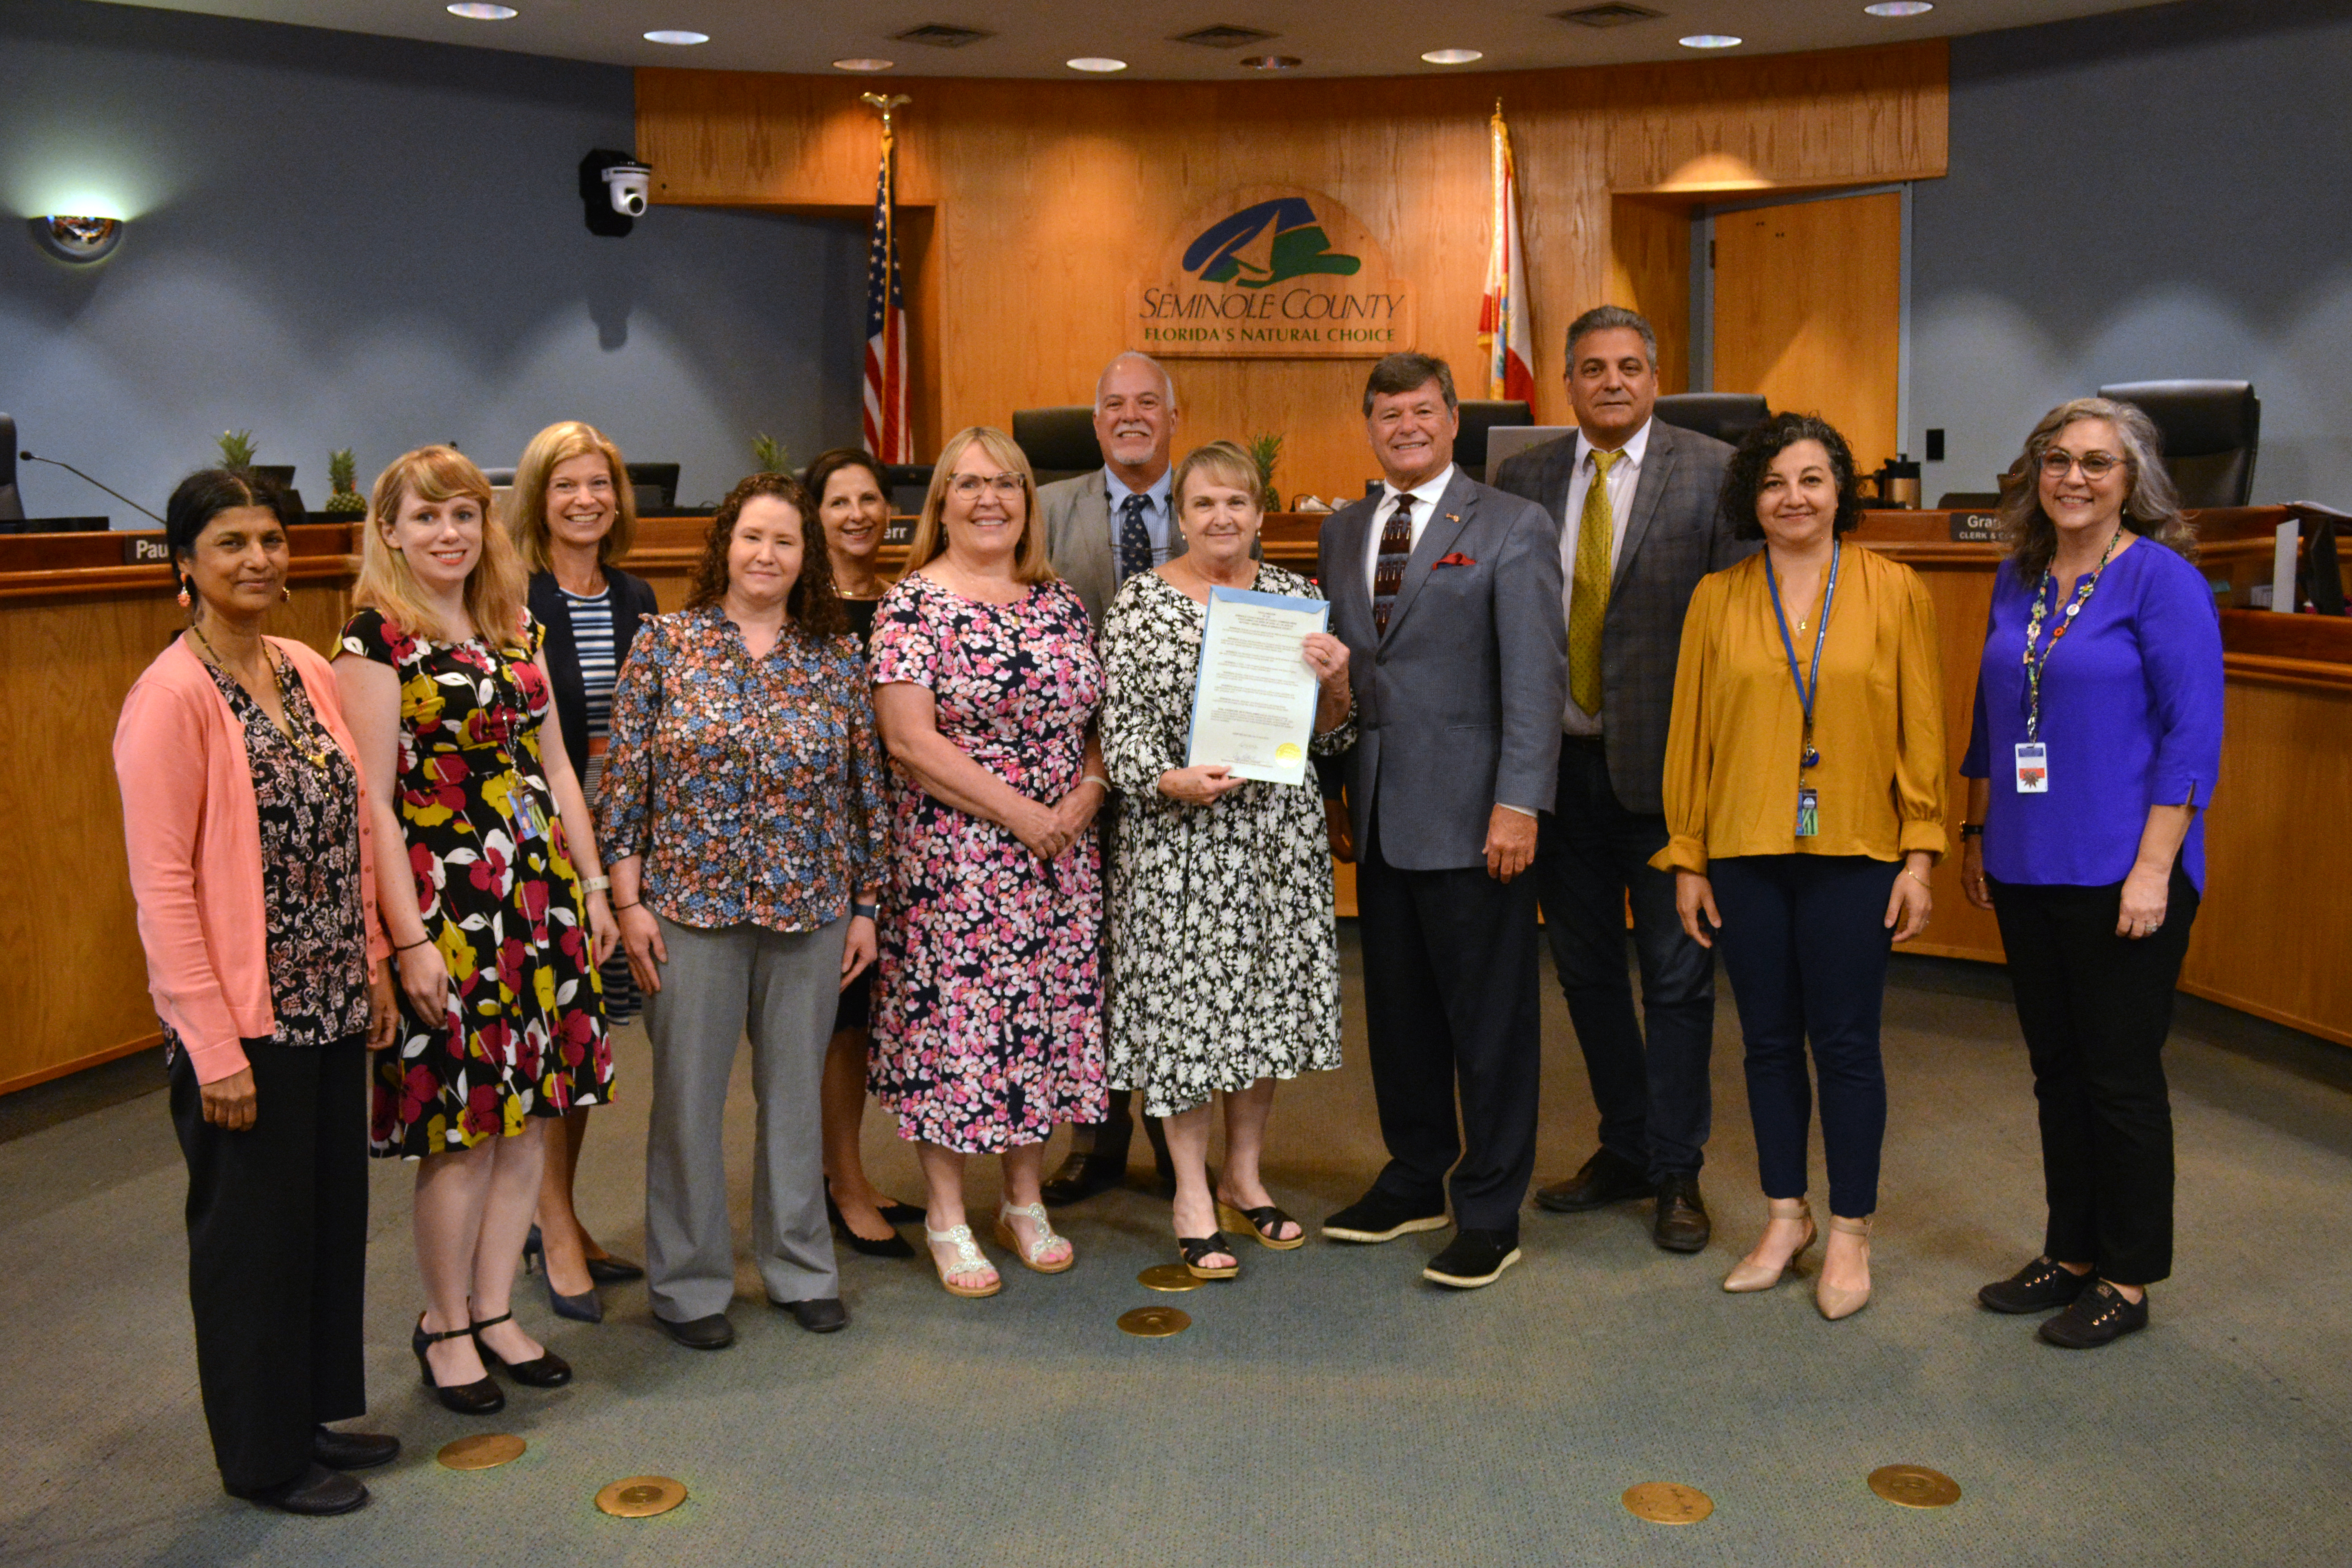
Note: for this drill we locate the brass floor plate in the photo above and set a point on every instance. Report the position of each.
(1667, 1502)
(1154, 1322)
(482, 1451)
(1169, 1277)
(641, 1497)
(1915, 1486)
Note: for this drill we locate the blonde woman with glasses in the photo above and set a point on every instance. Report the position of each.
(987, 1019)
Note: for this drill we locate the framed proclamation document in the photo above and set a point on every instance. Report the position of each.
(1254, 706)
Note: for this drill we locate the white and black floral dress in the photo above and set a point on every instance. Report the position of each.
(1224, 965)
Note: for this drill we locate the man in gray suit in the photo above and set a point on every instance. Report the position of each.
(1100, 530)
(1448, 596)
(1638, 528)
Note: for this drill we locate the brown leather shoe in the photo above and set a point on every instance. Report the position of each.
(1680, 1224)
(1607, 1178)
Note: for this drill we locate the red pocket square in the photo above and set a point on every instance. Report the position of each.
(1455, 559)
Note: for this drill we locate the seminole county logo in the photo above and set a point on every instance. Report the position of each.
(1273, 272)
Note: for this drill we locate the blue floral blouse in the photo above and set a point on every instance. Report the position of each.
(752, 787)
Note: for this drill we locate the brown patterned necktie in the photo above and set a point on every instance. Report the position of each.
(1388, 571)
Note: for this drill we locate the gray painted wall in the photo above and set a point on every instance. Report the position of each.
(345, 241)
(2151, 194)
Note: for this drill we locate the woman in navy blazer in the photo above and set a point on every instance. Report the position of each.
(571, 515)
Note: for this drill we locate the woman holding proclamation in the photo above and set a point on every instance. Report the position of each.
(1221, 928)
(253, 861)
(1805, 804)
(988, 1023)
(497, 936)
(2087, 767)
(572, 516)
(742, 810)
(853, 507)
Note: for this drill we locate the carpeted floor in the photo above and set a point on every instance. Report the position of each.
(1327, 1408)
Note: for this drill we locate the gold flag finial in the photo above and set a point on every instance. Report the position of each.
(886, 105)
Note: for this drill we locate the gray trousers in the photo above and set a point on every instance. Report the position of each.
(780, 987)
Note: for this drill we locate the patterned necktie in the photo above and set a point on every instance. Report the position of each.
(1134, 539)
(1587, 600)
(1396, 549)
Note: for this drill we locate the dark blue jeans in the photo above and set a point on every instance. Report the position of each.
(1592, 856)
(1804, 940)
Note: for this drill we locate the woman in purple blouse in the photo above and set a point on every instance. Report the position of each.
(2097, 742)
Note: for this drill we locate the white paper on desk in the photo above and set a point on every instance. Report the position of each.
(1254, 705)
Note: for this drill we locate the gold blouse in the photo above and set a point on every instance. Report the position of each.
(1737, 739)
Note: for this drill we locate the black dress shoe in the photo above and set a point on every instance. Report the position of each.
(1607, 1178)
(1680, 1224)
(2038, 1286)
(822, 1316)
(317, 1491)
(1474, 1257)
(547, 1370)
(1081, 1176)
(483, 1397)
(1376, 1217)
(613, 1271)
(2099, 1316)
(711, 1334)
(352, 1451)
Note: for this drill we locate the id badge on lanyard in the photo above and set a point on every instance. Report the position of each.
(2032, 768)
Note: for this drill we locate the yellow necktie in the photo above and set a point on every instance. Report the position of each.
(1588, 601)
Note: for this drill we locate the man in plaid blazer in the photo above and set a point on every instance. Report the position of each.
(1630, 557)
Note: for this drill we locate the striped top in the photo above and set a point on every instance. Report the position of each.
(591, 634)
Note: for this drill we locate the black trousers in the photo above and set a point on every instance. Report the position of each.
(2095, 1008)
(1450, 999)
(1804, 940)
(278, 1254)
(1592, 858)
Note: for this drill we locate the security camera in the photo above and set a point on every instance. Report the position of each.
(627, 184)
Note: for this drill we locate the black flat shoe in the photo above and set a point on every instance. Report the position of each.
(611, 1270)
(547, 1370)
(1192, 1249)
(898, 1213)
(482, 1398)
(2038, 1286)
(820, 1315)
(316, 1492)
(891, 1245)
(1474, 1257)
(711, 1334)
(352, 1451)
(1376, 1217)
(1606, 1178)
(2099, 1316)
(1680, 1223)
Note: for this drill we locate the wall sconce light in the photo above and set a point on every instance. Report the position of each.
(77, 239)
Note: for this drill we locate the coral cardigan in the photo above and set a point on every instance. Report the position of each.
(193, 831)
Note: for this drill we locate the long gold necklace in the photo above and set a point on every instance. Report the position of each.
(293, 732)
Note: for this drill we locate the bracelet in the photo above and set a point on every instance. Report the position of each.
(864, 911)
(1096, 779)
(1916, 878)
(420, 941)
(618, 908)
(595, 884)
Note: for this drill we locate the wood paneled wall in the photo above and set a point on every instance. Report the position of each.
(1048, 199)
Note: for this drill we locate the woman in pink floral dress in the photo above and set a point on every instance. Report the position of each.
(988, 1015)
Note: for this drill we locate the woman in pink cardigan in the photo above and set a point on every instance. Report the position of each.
(252, 862)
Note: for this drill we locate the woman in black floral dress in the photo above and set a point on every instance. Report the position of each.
(498, 937)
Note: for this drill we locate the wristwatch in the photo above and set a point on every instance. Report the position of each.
(1972, 830)
(864, 911)
(595, 884)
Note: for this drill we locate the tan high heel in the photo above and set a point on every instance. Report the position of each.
(1836, 1302)
(1745, 1275)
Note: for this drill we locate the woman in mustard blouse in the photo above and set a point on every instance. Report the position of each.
(1804, 795)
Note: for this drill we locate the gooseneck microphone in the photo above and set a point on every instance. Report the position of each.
(69, 468)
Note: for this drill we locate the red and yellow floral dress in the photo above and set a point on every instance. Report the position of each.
(525, 1033)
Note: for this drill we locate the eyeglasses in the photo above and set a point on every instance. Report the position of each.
(2095, 466)
(969, 485)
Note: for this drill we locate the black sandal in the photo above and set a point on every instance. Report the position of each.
(1196, 1247)
(547, 1370)
(1265, 1222)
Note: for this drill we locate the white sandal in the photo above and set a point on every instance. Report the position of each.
(969, 1260)
(1032, 1254)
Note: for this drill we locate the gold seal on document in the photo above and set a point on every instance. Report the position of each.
(1667, 1502)
(1288, 752)
(641, 1497)
(1915, 1486)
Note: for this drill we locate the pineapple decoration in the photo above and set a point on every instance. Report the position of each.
(342, 477)
(236, 449)
(1266, 451)
(771, 455)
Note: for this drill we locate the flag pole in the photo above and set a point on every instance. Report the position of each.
(886, 106)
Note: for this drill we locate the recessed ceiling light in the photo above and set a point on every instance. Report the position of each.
(1095, 63)
(1273, 62)
(1452, 57)
(1900, 8)
(1711, 41)
(863, 65)
(676, 35)
(475, 11)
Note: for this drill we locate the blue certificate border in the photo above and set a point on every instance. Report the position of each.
(1293, 602)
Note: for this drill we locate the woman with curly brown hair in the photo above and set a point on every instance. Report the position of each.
(742, 810)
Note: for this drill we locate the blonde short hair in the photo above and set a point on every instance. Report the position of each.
(526, 514)
(495, 596)
(1218, 463)
(931, 541)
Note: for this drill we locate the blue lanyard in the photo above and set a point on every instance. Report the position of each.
(1806, 691)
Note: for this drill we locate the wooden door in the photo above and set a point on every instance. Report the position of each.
(1808, 311)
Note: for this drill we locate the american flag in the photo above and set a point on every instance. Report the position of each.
(886, 433)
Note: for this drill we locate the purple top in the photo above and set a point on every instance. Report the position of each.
(2131, 711)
